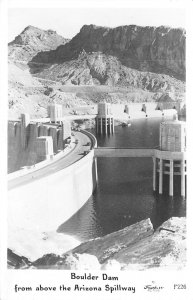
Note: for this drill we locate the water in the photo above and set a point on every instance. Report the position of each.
(124, 193)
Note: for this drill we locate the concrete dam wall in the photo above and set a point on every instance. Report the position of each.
(44, 204)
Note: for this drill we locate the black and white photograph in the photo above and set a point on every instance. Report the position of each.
(96, 148)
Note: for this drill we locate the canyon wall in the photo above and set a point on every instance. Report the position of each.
(154, 49)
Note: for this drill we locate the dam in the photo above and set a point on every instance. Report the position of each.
(124, 193)
(53, 187)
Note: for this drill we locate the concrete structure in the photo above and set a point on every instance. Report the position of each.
(170, 159)
(104, 119)
(25, 120)
(152, 109)
(144, 108)
(173, 136)
(141, 110)
(126, 110)
(180, 107)
(53, 198)
(22, 140)
(66, 131)
(44, 148)
(104, 109)
(134, 110)
(74, 184)
(55, 112)
(123, 152)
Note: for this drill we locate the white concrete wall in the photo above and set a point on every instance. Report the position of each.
(46, 203)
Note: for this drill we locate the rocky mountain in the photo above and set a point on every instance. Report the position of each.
(151, 49)
(102, 69)
(33, 40)
(117, 65)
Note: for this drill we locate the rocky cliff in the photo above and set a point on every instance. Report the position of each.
(102, 69)
(117, 65)
(154, 49)
(33, 40)
(137, 247)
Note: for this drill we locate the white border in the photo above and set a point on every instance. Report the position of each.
(8, 277)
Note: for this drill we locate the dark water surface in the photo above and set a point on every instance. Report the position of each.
(124, 193)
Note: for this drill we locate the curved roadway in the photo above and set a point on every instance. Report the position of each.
(76, 154)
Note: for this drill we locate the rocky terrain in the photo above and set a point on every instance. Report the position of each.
(116, 65)
(137, 247)
(152, 49)
(33, 40)
(27, 94)
(102, 69)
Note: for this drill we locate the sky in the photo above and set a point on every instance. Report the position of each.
(68, 21)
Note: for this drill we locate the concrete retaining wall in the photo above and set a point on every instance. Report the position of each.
(140, 111)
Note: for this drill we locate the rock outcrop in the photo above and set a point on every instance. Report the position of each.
(15, 261)
(102, 69)
(154, 49)
(70, 261)
(33, 40)
(137, 247)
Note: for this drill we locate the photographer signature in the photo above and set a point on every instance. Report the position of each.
(153, 287)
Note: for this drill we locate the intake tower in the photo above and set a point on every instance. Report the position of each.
(170, 158)
(104, 119)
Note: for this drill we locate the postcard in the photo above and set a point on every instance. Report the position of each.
(96, 143)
